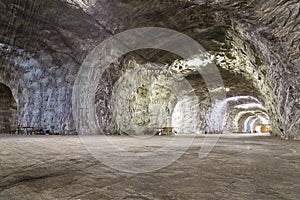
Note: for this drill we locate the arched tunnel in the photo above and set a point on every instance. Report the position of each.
(256, 52)
(8, 109)
(90, 67)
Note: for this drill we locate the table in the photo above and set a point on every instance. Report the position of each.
(28, 130)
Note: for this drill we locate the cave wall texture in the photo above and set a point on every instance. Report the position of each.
(44, 42)
(8, 109)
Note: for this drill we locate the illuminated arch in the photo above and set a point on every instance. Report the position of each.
(240, 115)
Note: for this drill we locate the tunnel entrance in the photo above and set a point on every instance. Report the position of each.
(8, 109)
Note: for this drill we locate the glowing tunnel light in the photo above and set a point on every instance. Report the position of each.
(250, 106)
(263, 120)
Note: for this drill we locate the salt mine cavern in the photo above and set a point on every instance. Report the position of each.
(138, 99)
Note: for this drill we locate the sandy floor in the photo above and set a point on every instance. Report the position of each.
(60, 167)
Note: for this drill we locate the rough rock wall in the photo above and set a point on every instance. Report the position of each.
(272, 30)
(42, 89)
(279, 41)
(42, 44)
(249, 60)
(144, 96)
(262, 38)
(186, 117)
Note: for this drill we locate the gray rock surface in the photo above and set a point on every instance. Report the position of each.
(44, 43)
(60, 167)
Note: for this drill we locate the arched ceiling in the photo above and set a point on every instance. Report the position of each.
(255, 44)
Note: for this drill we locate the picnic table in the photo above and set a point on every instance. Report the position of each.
(27, 130)
(160, 130)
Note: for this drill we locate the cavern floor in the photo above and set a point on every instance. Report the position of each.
(59, 167)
